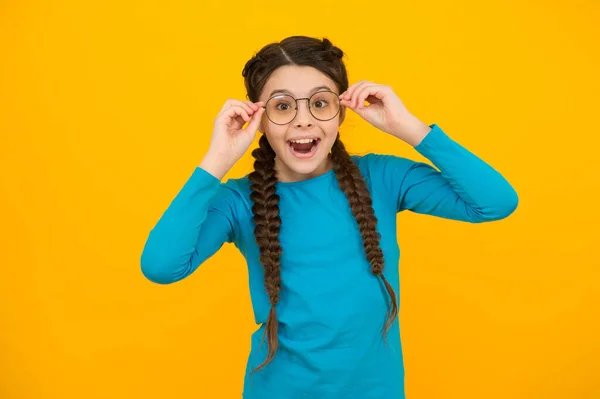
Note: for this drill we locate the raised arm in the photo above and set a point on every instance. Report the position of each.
(461, 186)
(202, 217)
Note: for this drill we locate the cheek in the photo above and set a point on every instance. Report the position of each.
(331, 130)
(276, 137)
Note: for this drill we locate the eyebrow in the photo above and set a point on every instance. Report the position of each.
(289, 92)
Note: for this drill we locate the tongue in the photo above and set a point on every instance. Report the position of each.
(302, 147)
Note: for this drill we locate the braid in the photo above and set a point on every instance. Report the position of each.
(268, 222)
(353, 185)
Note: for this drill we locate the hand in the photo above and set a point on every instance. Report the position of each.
(228, 137)
(229, 141)
(385, 111)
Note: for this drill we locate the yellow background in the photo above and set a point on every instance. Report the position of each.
(106, 108)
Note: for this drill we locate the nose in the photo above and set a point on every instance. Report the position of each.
(303, 116)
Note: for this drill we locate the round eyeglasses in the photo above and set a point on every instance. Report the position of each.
(282, 108)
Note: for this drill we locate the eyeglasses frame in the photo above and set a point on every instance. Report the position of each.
(307, 105)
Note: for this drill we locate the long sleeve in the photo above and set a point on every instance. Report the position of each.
(463, 187)
(198, 221)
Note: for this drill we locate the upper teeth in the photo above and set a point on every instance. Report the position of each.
(302, 141)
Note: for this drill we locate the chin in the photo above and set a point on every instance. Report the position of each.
(307, 169)
(306, 163)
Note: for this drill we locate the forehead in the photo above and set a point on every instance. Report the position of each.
(299, 80)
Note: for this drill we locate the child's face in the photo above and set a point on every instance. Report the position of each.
(299, 82)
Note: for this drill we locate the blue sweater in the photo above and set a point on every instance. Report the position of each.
(332, 308)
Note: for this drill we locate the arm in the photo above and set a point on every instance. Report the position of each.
(464, 188)
(199, 220)
(202, 216)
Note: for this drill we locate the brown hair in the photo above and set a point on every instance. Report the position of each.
(327, 58)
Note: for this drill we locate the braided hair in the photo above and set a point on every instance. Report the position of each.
(327, 58)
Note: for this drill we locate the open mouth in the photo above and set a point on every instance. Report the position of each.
(304, 148)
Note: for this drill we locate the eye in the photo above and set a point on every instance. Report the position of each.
(285, 106)
(323, 99)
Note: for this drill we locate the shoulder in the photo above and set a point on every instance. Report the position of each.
(226, 197)
(385, 174)
(238, 191)
(375, 165)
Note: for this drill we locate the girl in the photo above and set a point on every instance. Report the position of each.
(316, 225)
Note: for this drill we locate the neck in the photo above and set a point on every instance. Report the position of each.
(285, 174)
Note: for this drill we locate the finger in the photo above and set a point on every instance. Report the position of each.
(228, 103)
(346, 94)
(346, 103)
(233, 102)
(365, 92)
(240, 120)
(358, 91)
(352, 89)
(255, 121)
(245, 105)
(252, 105)
(237, 110)
(349, 105)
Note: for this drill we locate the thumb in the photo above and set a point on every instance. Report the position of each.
(255, 121)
